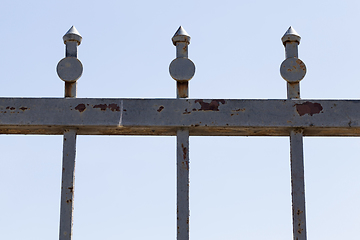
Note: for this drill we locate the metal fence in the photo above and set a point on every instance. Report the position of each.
(181, 117)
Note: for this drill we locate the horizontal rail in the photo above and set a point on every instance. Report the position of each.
(203, 117)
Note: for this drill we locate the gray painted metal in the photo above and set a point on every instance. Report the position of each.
(297, 185)
(181, 40)
(182, 165)
(203, 117)
(291, 35)
(67, 185)
(72, 35)
(181, 117)
(292, 69)
(70, 69)
(181, 68)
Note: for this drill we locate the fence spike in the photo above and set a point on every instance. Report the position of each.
(69, 69)
(291, 36)
(72, 35)
(181, 36)
(182, 69)
(292, 69)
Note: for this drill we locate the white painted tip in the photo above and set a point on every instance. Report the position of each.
(181, 32)
(73, 30)
(291, 31)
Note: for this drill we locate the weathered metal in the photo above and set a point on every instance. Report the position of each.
(182, 118)
(292, 69)
(182, 196)
(203, 117)
(297, 184)
(70, 69)
(67, 185)
(182, 69)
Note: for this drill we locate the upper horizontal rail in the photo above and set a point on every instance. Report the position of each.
(203, 117)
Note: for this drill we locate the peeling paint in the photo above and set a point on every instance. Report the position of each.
(112, 106)
(308, 108)
(160, 108)
(102, 107)
(186, 111)
(81, 107)
(212, 106)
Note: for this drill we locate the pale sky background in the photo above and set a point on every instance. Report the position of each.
(125, 186)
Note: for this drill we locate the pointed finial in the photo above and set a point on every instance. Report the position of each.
(72, 35)
(181, 36)
(291, 36)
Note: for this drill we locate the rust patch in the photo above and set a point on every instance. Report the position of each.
(185, 165)
(12, 108)
(103, 107)
(81, 107)
(68, 89)
(182, 89)
(160, 108)
(7, 107)
(184, 151)
(23, 108)
(71, 189)
(112, 106)
(186, 111)
(302, 65)
(239, 110)
(212, 106)
(308, 108)
(298, 212)
(69, 201)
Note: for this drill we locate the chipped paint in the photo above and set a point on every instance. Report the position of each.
(112, 106)
(80, 107)
(308, 108)
(212, 106)
(160, 108)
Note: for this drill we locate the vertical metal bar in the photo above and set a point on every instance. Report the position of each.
(182, 164)
(297, 185)
(182, 89)
(293, 90)
(71, 39)
(71, 51)
(182, 70)
(70, 89)
(67, 185)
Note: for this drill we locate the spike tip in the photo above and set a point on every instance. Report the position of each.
(181, 36)
(291, 36)
(72, 35)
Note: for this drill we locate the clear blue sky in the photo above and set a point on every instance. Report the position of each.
(125, 186)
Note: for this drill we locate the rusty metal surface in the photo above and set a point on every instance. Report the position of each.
(67, 185)
(297, 185)
(182, 189)
(212, 117)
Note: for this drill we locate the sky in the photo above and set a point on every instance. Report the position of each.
(125, 185)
